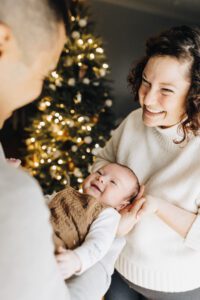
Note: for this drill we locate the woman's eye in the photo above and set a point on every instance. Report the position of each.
(99, 172)
(167, 91)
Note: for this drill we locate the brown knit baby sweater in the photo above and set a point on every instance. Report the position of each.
(72, 213)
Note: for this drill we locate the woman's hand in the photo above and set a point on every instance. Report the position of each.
(68, 262)
(150, 206)
(129, 215)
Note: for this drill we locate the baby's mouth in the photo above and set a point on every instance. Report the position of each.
(96, 187)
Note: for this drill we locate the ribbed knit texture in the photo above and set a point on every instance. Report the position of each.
(155, 256)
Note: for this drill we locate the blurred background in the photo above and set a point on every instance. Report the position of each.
(87, 96)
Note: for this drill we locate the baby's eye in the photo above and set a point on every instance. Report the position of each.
(113, 182)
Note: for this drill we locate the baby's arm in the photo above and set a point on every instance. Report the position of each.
(97, 243)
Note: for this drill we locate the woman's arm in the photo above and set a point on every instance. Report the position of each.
(176, 217)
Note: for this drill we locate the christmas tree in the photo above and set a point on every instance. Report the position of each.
(73, 117)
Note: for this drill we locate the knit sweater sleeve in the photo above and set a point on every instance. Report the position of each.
(99, 239)
(192, 239)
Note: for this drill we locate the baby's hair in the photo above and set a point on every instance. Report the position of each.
(137, 184)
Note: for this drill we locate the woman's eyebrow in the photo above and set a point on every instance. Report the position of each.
(168, 83)
(161, 83)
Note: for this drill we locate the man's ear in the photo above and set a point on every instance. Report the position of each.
(5, 34)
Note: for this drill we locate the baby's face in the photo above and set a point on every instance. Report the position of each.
(111, 185)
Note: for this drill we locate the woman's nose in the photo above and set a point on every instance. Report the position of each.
(149, 97)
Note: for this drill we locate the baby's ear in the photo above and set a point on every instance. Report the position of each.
(124, 204)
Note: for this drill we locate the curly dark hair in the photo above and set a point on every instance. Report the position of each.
(183, 43)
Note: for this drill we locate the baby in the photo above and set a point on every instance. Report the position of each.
(87, 223)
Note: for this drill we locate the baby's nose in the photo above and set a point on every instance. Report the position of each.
(101, 178)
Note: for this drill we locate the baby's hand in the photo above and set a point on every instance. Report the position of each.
(14, 162)
(68, 262)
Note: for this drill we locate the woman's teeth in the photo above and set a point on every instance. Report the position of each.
(154, 111)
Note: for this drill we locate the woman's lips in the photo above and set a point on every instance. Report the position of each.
(152, 113)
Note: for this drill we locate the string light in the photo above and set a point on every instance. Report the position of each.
(99, 50)
(54, 74)
(80, 119)
(105, 66)
(89, 128)
(80, 42)
(49, 118)
(90, 41)
(91, 56)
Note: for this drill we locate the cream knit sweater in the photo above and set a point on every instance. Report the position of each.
(155, 256)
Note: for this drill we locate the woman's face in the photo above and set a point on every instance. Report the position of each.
(163, 90)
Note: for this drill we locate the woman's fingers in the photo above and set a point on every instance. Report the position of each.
(141, 192)
(137, 205)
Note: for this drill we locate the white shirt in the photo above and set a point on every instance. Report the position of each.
(99, 239)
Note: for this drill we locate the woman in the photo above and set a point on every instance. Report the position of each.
(161, 143)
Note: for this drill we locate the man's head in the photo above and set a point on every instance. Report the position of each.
(114, 184)
(32, 35)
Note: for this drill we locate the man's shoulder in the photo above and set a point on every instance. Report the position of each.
(16, 184)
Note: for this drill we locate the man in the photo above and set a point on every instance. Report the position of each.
(32, 35)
